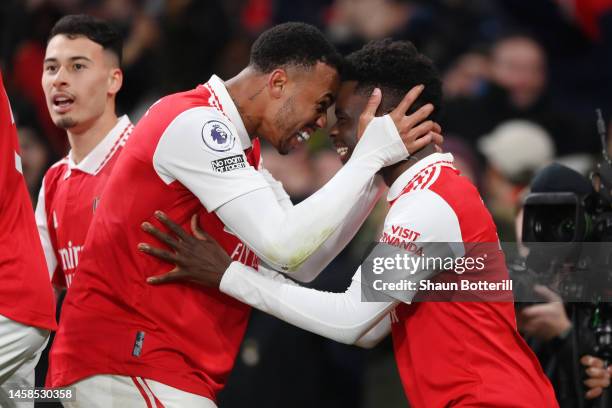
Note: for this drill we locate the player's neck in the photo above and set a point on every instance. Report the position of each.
(243, 89)
(83, 141)
(391, 173)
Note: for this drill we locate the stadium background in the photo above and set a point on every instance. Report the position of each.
(551, 84)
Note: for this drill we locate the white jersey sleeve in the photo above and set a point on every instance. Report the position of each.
(201, 150)
(277, 187)
(43, 231)
(420, 216)
(317, 262)
(330, 249)
(423, 217)
(427, 215)
(375, 334)
(338, 316)
(284, 238)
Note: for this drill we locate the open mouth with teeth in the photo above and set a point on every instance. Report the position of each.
(62, 103)
(342, 151)
(303, 136)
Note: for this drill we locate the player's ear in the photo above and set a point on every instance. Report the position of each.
(115, 80)
(277, 81)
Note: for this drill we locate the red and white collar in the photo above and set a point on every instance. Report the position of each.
(444, 159)
(94, 161)
(219, 91)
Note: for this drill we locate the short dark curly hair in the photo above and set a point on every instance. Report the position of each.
(293, 44)
(394, 67)
(98, 31)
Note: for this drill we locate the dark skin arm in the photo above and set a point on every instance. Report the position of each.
(198, 258)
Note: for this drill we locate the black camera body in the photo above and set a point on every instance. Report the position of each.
(566, 217)
(567, 227)
(569, 237)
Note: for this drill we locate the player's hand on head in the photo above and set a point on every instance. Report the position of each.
(416, 132)
(414, 129)
(198, 258)
(598, 377)
(369, 112)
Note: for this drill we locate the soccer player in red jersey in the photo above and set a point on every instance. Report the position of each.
(81, 78)
(449, 353)
(125, 343)
(27, 311)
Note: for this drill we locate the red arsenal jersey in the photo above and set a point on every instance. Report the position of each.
(457, 352)
(68, 198)
(25, 293)
(188, 151)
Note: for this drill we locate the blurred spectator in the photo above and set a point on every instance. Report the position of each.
(467, 76)
(26, 71)
(370, 19)
(352, 23)
(519, 66)
(441, 29)
(577, 35)
(514, 151)
(517, 90)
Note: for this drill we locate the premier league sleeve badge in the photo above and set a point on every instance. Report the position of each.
(217, 136)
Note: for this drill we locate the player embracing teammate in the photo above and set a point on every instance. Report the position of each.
(197, 151)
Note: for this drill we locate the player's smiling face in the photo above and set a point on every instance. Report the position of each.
(349, 106)
(302, 106)
(78, 78)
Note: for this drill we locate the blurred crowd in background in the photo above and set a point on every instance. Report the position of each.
(522, 80)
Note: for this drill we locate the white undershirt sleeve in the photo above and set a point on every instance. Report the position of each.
(375, 334)
(330, 249)
(277, 188)
(338, 316)
(285, 238)
(201, 150)
(344, 317)
(43, 231)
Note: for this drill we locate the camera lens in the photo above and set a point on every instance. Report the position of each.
(565, 230)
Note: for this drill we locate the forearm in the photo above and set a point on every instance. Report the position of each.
(284, 238)
(375, 334)
(338, 316)
(330, 249)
